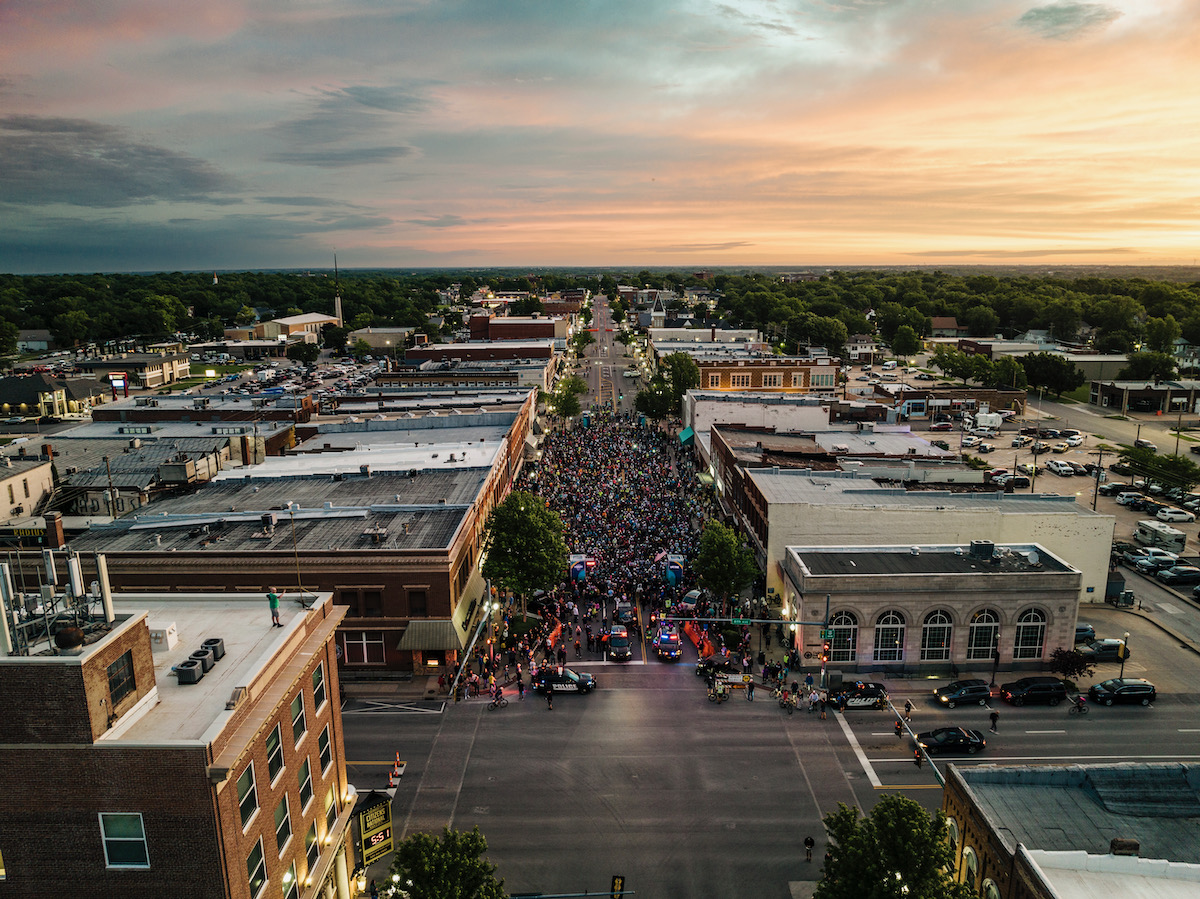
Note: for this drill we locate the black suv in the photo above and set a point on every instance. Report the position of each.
(1127, 689)
(563, 680)
(864, 695)
(1034, 690)
(963, 692)
(618, 644)
(717, 664)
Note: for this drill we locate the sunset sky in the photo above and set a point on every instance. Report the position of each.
(144, 134)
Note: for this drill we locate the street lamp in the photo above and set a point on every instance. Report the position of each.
(1124, 654)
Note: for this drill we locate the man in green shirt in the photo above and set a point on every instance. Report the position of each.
(273, 602)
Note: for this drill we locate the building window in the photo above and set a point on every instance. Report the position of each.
(985, 630)
(283, 825)
(952, 836)
(305, 781)
(299, 727)
(772, 380)
(291, 888)
(247, 795)
(889, 637)
(935, 636)
(120, 679)
(418, 603)
(372, 603)
(325, 750)
(25, 484)
(740, 380)
(970, 867)
(12, 497)
(124, 837)
(797, 379)
(990, 890)
(364, 648)
(1031, 635)
(714, 380)
(331, 810)
(318, 680)
(844, 644)
(274, 753)
(312, 848)
(256, 869)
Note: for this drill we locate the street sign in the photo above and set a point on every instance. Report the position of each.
(741, 621)
(827, 634)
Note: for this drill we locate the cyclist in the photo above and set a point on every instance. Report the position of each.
(1080, 702)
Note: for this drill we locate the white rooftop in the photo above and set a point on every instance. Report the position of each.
(1079, 875)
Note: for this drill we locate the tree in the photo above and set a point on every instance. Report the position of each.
(524, 545)
(452, 868)
(655, 401)
(982, 321)
(9, 334)
(527, 306)
(723, 564)
(565, 398)
(360, 349)
(1161, 334)
(1007, 372)
(582, 341)
(1148, 367)
(681, 373)
(1173, 471)
(953, 363)
(899, 850)
(334, 338)
(1057, 374)
(906, 342)
(304, 352)
(245, 316)
(1070, 663)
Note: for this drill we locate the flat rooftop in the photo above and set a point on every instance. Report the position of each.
(785, 486)
(196, 712)
(946, 559)
(1082, 807)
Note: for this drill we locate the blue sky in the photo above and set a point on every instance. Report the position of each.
(142, 135)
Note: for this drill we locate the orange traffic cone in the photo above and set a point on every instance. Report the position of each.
(392, 780)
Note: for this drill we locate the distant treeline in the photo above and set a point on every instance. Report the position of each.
(1116, 314)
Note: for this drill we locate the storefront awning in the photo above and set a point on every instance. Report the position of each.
(433, 634)
(686, 436)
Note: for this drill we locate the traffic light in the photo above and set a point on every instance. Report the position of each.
(825, 651)
(899, 729)
(917, 760)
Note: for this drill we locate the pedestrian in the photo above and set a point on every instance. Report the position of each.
(809, 844)
(824, 702)
(273, 602)
(907, 710)
(750, 690)
(549, 697)
(520, 689)
(994, 718)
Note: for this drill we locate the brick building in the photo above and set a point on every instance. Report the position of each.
(134, 769)
(513, 327)
(482, 351)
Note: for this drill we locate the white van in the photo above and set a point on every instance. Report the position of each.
(891, 365)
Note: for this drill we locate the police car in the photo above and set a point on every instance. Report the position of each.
(563, 680)
(667, 643)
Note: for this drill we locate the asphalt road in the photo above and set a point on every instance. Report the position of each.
(648, 779)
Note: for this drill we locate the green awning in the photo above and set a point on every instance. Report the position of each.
(686, 436)
(431, 634)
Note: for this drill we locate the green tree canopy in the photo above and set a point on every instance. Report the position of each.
(655, 400)
(565, 398)
(334, 338)
(450, 868)
(1173, 471)
(1007, 372)
(524, 545)
(1161, 334)
(681, 373)
(582, 341)
(304, 352)
(1148, 367)
(1070, 663)
(906, 342)
(360, 349)
(722, 563)
(897, 852)
(1056, 374)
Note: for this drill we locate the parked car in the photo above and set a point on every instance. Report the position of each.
(940, 444)
(1019, 480)
(974, 691)
(1128, 498)
(1150, 559)
(1021, 440)
(924, 376)
(1039, 448)
(1110, 489)
(1179, 574)
(1075, 440)
(1143, 443)
(1084, 633)
(1026, 468)
(941, 426)
(1108, 650)
(970, 441)
(1123, 689)
(1120, 468)
(1169, 514)
(1061, 447)
(1060, 468)
(951, 739)
(1077, 468)
(985, 448)
(1034, 690)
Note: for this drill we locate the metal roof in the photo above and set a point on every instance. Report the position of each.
(854, 561)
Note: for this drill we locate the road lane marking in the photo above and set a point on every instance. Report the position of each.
(1045, 731)
(1189, 730)
(862, 756)
(1169, 608)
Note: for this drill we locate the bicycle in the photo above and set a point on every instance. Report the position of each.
(1077, 708)
(501, 703)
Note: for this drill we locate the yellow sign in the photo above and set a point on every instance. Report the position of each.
(375, 826)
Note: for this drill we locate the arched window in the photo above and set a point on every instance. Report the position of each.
(952, 835)
(843, 647)
(889, 636)
(1031, 635)
(985, 630)
(935, 636)
(970, 867)
(990, 890)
